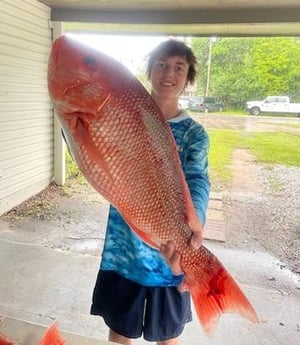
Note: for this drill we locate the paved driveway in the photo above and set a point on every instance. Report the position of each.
(249, 122)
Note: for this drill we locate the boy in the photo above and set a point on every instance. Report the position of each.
(140, 291)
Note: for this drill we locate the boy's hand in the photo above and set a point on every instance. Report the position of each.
(196, 240)
(173, 257)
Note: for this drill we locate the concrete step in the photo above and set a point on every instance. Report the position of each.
(215, 224)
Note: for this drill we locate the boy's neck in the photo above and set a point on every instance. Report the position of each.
(169, 108)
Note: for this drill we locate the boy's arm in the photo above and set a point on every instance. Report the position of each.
(196, 171)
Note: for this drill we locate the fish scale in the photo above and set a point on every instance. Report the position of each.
(126, 150)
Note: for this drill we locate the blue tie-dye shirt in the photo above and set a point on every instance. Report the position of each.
(127, 254)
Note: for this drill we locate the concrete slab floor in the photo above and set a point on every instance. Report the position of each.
(40, 284)
(27, 333)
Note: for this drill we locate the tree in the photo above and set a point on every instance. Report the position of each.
(276, 62)
(249, 68)
(232, 78)
(200, 47)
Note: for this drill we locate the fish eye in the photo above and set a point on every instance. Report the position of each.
(89, 60)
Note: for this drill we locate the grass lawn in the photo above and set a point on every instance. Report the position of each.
(268, 147)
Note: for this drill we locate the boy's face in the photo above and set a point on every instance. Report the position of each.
(169, 76)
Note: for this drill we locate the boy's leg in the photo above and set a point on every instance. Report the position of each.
(166, 314)
(174, 341)
(121, 304)
(117, 338)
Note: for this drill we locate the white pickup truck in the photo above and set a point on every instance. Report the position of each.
(273, 104)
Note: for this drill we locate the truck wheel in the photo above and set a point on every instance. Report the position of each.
(255, 111)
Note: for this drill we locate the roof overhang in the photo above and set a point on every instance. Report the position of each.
(200, 18)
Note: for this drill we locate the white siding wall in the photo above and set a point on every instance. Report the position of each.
(26, 118)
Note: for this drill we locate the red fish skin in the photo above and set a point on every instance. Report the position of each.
(126, 151)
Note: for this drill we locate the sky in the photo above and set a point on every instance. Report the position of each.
(131, 51)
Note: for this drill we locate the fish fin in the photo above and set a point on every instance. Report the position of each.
(84, 140)
(190, 213)
(191, 217)
(6, 341)
(217, 295)
(146, 238)
(52, 336)
(143, 235)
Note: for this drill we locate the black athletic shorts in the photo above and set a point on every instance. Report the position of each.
(131, 309)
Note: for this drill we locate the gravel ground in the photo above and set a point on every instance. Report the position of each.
(262, 210)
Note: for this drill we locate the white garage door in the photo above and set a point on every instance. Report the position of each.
(26, 118)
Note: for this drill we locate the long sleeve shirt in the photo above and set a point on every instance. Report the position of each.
(124, 252)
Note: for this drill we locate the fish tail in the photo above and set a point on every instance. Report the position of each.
(219, 294)
(52, 336)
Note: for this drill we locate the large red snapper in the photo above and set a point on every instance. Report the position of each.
(126, 150)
